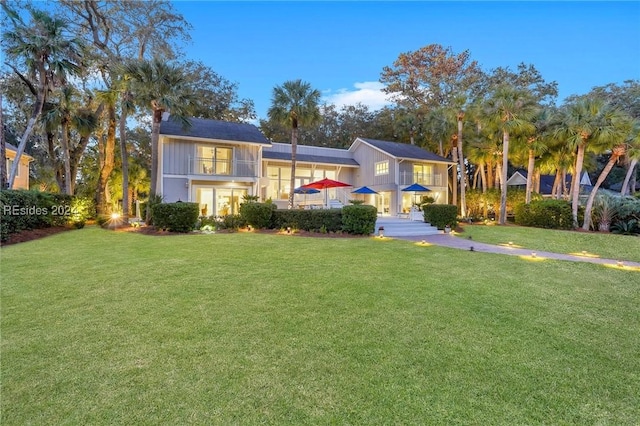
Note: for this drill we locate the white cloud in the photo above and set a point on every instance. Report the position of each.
(368, 93)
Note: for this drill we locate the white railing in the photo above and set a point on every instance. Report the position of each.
(209, 167)
(433, 179)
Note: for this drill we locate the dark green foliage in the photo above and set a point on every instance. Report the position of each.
(82, 209)
(550, 214)
(21, 210)
(257, 215)
(329, 220)
(441, 215)
(627, 227)
(359, 219)
(231, 222)
(148, 207)
(475, 200)
(628, 210)
(176, 217)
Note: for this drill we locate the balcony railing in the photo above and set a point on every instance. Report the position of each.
(232, 168)
(434, 179)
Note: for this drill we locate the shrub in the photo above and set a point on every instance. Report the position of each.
(359, 219)
(550, 214)
(176, 217)
(605, 210)
(147, 207)
(329, 220)
(441, 215)
(231, 222)
(22, 210)
(257, 215)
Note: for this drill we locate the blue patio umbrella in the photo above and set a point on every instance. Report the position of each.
(305, 191)
(364, 190)
(415, 188)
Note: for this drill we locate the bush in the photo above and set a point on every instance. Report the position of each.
(550, 214)
(257, 215)
(359, 219)
(441, 215)
(22, 210)
(329, 220)
(176, 217)
(231, 222)
(147, 207)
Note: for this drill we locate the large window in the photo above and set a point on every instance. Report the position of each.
(382, 168)
(213, 160)
(280, 179)
(423, 174)
(215, 201)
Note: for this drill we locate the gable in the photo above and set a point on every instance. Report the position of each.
(401, 151)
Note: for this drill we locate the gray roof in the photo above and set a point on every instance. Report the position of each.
(215, 129)
(307, 158)
(404, 150)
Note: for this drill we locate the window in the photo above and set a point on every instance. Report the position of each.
(214, 160)
(423, 174)
(382, 168)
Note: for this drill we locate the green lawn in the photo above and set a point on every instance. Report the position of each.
(610, 246)
(114, 328)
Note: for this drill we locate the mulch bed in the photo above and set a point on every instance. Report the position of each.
(34, 234)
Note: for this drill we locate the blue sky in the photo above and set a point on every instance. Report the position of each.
(341, 47)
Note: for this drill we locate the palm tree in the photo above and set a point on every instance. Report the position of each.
(633, 154)
(623, 130)
(49, 56)
(161, 87)
(512, 111)
(295, 104)
(584, 124)
(537, 145)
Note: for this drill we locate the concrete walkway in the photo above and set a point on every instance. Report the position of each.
(451, 241)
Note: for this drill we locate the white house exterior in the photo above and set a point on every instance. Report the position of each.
(215, 163)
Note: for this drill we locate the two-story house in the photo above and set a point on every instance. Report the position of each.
(215, 163)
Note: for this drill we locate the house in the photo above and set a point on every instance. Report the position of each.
(22, 178)
(544, 185)
(216, 163)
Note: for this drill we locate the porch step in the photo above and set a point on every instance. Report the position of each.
(396, 227)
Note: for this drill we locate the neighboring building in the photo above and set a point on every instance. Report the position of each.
(215, 163)
(544, 185)
(22, 178)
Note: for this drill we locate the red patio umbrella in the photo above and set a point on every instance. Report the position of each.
(325, 184)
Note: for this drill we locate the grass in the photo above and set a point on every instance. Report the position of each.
(113, 328)
(606, 245)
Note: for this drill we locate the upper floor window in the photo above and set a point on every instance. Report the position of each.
(382, 168)
(214, 160)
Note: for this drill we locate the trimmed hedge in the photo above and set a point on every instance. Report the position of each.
(359, 219)
(23, 210)
(329, 220)
(176, 217)
(441, 215)
(257, 215)
(550, 214)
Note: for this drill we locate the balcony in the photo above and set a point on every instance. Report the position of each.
(435, 179)
(226, 168)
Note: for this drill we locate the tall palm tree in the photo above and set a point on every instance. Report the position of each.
(160, 87)
(49, 55)
(512, 111)
(633, 154)
(623, 133)
(584, 124)
(295, 104)
(537, 145)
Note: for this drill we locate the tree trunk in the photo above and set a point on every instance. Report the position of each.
(503, 178)
(627, 178)
(124, 155)
(454, 174)
(575, 184)
(3, 152)
(617, 152)
(485, 210)
(66, 159)
(463, 169)
(530, 168)
(37, 109)
(556, 190)
(107, 157)
(294, 146)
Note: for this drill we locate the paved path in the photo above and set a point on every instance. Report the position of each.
(448, 240)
